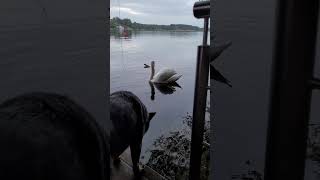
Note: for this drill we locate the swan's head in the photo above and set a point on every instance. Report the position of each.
(152, 63)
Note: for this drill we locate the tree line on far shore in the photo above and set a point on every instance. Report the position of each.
(134, 26)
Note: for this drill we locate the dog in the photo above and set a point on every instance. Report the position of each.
(46, 136)
(130, 120)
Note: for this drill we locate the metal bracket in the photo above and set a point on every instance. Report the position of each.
(315, 83)
(216, 51)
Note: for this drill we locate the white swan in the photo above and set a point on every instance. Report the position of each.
(165, 75)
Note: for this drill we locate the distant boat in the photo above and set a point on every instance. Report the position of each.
(124, 31)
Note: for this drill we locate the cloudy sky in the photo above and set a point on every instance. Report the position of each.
(156, 11)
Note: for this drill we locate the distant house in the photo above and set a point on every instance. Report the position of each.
(121, 28)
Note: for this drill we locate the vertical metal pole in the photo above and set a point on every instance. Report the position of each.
(199, 105)
(290, 99)
(205, 33)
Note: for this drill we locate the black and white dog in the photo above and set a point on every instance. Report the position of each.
(45, 136)
(130, 120)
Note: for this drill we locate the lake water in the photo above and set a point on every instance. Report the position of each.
(176, 50)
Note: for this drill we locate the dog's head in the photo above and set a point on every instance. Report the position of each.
(150, 116)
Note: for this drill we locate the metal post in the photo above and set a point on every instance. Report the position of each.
(199, 106)
(201, 9)
(291, 94)
(205, 33)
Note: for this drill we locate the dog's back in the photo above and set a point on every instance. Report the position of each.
(127, 114)
(49, 137)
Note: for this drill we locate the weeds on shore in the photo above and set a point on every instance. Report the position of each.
(170, 155)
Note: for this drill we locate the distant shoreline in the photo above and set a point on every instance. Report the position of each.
(116, 24)
(141, 30)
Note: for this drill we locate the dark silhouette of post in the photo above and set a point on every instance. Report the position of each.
(292, 84)
(201, 10)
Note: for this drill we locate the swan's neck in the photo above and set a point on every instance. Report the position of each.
(152, 71)
(152, 90)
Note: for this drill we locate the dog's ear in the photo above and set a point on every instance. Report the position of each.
(151, 115)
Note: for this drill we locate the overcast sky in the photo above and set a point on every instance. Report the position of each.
(156, 11)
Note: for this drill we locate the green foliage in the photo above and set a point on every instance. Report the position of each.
(114, 22)
(170, 155)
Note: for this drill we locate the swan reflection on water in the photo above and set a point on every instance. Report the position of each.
(163, 88)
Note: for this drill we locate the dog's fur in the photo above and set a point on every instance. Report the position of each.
(46, 136)
(130, 121)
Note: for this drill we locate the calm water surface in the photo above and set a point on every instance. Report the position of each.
(168, 49)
